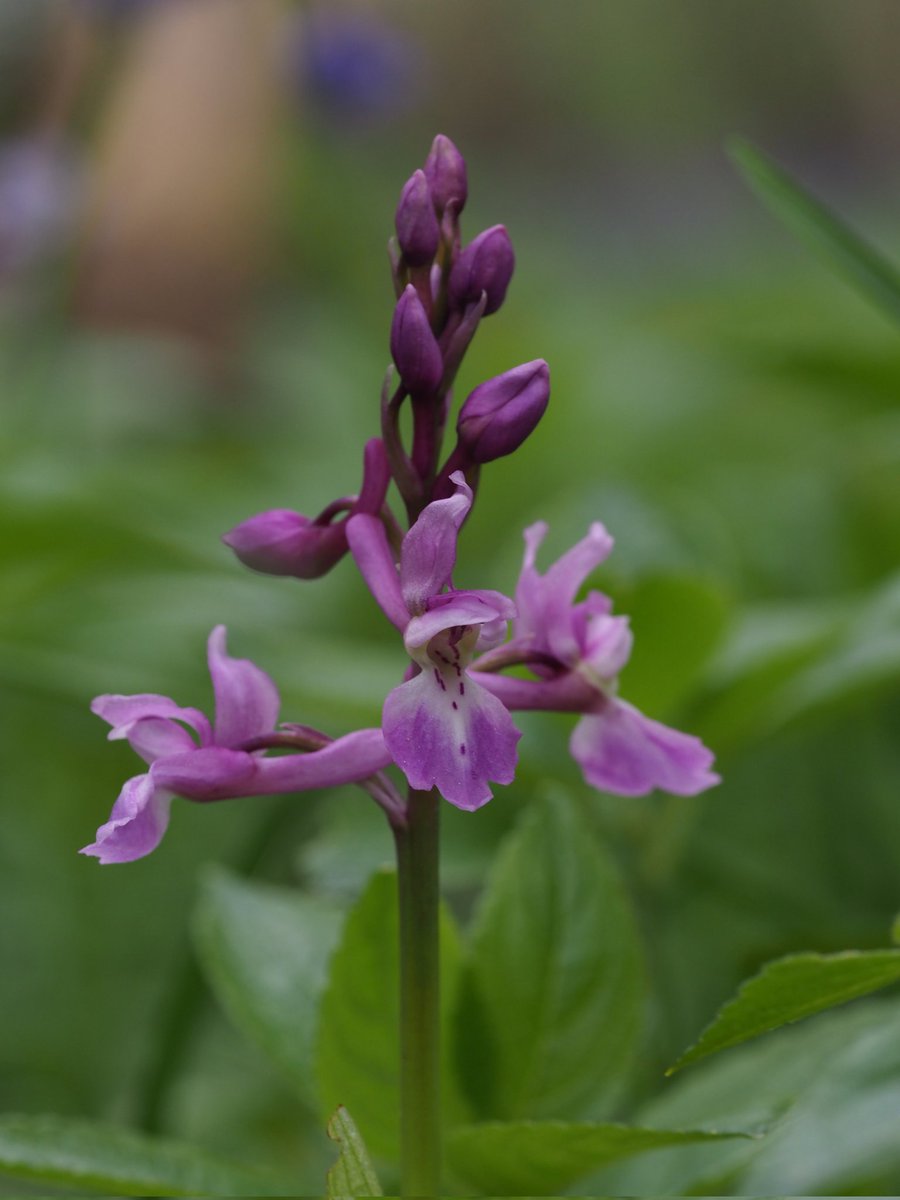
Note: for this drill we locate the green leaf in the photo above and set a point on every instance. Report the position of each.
(824, 231)
(88, 1154)
(828, 1089)
(358, 1051)
(541, 1158)
(353, 1173)
(790, 989)
(265, 951)
(554, 992)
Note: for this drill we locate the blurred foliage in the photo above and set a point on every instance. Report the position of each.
(725, 407)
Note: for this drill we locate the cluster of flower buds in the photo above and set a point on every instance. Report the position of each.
(443, 290)
(448, 724)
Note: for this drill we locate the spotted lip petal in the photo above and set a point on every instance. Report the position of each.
(452, 735)
(622, 751)
(247, 700)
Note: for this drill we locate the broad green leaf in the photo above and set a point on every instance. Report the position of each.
(552, 1004)
(541, 1158)
(790, 989)
(353, 1173)
(357, 1053)
(830, 1092)
(265, 951)
(97, 1157)
(863, 265)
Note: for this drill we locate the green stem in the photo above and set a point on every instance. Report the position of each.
(420, 1115)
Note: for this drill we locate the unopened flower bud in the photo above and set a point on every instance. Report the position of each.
(445, 170)
(414, 347)
(417, 225)
(485, 265)
(282, 542)
(500, 414)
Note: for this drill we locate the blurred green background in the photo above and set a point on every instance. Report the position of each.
(194, 305)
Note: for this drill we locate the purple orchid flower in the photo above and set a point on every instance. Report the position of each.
(224, 762)
(442, 728)
(577, 650)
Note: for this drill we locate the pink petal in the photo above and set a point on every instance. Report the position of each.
(155, 737)
(136, 824)
(217, 773)
(372, 555)
(211, 773)
(457, 608)
(348, 759)
(429, 549)
(606, 643)
(450, 734)
(246, 698)
(545, 602)
(620, 750)
(123, 711)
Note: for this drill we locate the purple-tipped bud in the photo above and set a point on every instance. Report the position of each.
(500, 414)
(445, 170)
(485, 265)
(414, 347)
(417, 226)
(281, 542)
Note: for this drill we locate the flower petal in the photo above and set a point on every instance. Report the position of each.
(348, 759)
(155, 737)
(607, 643)
(620, 750)
(545, 602)
(428, 555)
(457, 608)
(122, 712)
(372, 555)
(454, 739)
(136, 824)
(217, 773)
(211, 773)
(246, 698)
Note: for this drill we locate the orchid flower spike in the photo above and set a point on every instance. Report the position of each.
(215, 761)
(442, 728)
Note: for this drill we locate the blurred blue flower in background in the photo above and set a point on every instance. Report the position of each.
(38, 192)
(353, 64)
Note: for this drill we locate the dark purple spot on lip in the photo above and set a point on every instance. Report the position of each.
(455, 705)
(440, 680)
(462, 688)
(462, 747)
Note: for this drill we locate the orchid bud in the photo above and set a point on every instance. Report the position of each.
(445, 170)
(500, 414)
(417, 226)
(281, 542)
(413, 345)
(485, 265)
